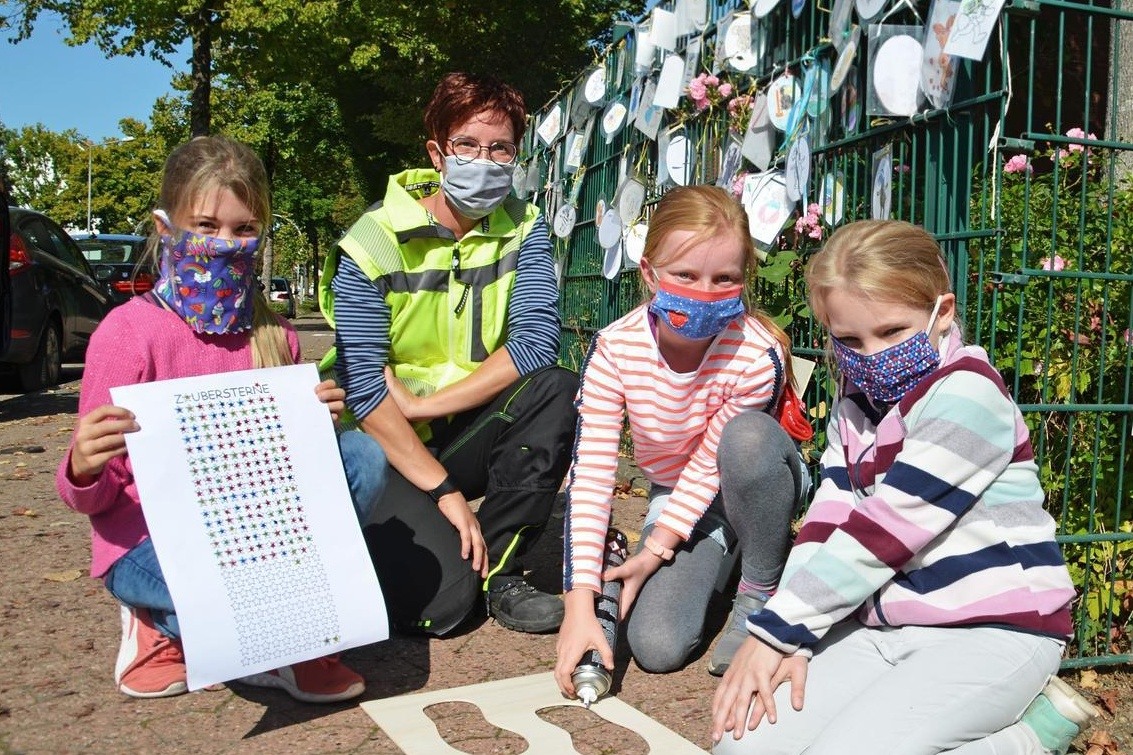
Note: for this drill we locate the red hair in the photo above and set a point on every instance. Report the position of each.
(460, 96)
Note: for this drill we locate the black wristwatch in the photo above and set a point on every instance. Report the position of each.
(443, 489)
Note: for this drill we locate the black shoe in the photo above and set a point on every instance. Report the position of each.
(520, 607)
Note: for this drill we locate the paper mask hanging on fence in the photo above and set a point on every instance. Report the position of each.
(868, 10)
(881, 196)
(677, 158)
(670, 82)
(645, 52)
(762, 7)
(740, 52)
(838, 26)
(781, 96)
(594, 89)
(613, 118)
(845, 60)
(648, 117)
(633, 242)
(977, 19)
(629, 198)
(551, 125)
(833, 194)
(797, 171)
(767, 204)
(938, 69)
(759, 141)
(894, 71)
(663, 29)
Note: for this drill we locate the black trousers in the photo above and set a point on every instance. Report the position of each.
(514, 452)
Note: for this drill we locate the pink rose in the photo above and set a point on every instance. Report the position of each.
(801, 225)
(813, 209)
(725, 90)
(816, 233)
(1017, 164)
(738, 184)
(696, 90)
(1076, 133)
(710, 80)
(1055, 264)
(1060, 154)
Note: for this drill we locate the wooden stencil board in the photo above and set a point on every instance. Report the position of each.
(511, 704)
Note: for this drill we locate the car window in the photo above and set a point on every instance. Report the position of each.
(35, 232)
(65, 248)
(278, 284)
(107, 251)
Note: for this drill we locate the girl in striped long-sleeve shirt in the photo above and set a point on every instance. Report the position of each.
(698, 378)
(925, 602)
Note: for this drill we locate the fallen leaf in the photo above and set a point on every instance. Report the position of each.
(69, 575)
(1088, 679)
(24, 511)
(1101, 743)
(1108, 699)
(621, 488)
(639, 492)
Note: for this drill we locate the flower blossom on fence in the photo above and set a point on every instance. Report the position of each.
(738, 184)
(1018, 164)
(1056, 264)
(1128, 336)
(809, 224)
(707, 91)
(739, 112)
(1077, 133)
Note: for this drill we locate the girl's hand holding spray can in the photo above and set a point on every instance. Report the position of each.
(591, 679)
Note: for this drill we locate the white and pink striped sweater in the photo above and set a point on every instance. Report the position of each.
(929, 514)
(675, 420)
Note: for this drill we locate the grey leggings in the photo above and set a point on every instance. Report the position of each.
(762, 484)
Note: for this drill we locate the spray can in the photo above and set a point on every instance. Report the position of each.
(591, 679)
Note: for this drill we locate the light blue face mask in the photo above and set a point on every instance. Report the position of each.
(477, 187)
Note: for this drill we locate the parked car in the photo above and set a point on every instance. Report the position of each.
(118, 260)
(280, 290)
(56, 301)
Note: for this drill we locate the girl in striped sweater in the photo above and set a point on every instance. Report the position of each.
(925, 602)
(697, 375)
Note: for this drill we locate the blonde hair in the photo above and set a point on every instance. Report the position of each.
(210, 163)
(884, 260)
(709, 212)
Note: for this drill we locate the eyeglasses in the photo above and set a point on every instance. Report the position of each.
(466, 149)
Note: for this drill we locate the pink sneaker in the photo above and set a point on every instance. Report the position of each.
(149, 663)
(323, 680)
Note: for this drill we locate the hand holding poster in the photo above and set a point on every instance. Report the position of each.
(247, 503)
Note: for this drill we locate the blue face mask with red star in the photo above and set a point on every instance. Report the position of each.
(696, 314)
(207, 280)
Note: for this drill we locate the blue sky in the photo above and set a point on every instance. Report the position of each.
(46, 81)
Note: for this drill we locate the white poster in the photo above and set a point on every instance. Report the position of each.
(972, 28)
(247, 503)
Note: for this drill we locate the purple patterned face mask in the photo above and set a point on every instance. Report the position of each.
(207, 280)
(889, 374)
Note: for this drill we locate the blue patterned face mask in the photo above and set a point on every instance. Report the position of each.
(696, 314)
(891, 373)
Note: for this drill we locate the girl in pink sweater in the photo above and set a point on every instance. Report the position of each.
(215, 202)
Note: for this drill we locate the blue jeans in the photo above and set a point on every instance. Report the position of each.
(136, 580)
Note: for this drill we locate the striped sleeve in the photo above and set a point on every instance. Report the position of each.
(750, 372)
(362, 324)
(533, 311)
(959, 438)
(593, 469)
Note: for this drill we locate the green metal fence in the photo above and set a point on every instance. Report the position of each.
(1024, 182)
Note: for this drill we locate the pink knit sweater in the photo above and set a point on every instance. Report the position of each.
(139, 342)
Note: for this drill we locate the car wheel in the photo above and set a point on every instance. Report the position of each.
(44, 369)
